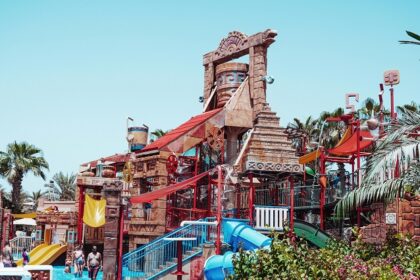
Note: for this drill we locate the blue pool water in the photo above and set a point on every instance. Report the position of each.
(58, 273)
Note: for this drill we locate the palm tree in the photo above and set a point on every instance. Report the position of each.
(34, 198)
(64, 185)
(309, 128)
(413, 106)
(331, 131)
(414, 36)
(158, 133)
(18, 160)
(398, 148)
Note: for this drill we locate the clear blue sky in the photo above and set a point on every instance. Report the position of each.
(72, 71)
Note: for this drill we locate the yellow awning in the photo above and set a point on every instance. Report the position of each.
(309, 157)
(26, 215)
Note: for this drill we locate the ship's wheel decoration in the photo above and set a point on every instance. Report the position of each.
(171, 164)
(127, 172)
(215, 138)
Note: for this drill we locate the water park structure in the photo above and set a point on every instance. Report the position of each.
(182, 205)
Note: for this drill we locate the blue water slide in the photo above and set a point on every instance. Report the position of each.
(237, 234)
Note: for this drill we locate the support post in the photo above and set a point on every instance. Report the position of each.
(219, 210)
(238, 201)
(120, 243)
(112, 192)
(292, 204)
(251, 198)
(359, 171)
(323, 185)
(391, 91)
(80, 216)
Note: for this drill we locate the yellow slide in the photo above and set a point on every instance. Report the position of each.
(44, 254)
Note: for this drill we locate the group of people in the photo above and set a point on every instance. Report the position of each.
(93, 262)
(6, 257)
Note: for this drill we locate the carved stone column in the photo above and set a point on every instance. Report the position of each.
(112, 192)
(258, 66)
(208, 80)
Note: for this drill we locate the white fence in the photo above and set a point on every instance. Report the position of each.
(18, 243)
(271, 217)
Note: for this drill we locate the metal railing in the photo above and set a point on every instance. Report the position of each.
(159, 256)
(304, 196)
(271, 217)
(19, 243)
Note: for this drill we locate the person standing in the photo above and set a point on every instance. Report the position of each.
(25, 257)
(7, 252)
(94, 262)
(79, 261)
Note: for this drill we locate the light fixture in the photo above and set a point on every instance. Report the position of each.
(201, 99)
(268, 79)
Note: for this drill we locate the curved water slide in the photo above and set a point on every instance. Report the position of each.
(44, 254)
(240, 234)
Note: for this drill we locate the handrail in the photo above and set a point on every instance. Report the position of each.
(19, 243)
(157, 257)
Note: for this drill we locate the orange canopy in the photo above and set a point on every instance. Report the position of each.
(309, 157)
(349, 147)
(146, 197)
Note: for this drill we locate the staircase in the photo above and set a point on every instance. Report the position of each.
(158, 258)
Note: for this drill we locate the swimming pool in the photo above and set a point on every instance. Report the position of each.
(58, 274)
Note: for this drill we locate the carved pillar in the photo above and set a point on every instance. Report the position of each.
(112, 192)
(208, 80)
(232, 135)
(258, 69)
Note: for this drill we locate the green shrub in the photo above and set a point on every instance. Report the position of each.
(398, 258)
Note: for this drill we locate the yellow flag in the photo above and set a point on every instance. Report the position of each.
(94, 212)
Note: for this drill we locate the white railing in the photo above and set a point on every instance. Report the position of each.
(18, 243)
(271, 217)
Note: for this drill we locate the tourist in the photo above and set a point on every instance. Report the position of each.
(7, 252)
(79, 261)
(6, 260)
(94, 262)
(25, 257)
(67, 268)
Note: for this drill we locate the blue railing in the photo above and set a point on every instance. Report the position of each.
(159, 256)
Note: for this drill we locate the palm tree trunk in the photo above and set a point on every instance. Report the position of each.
(16, 193)
(342, 176)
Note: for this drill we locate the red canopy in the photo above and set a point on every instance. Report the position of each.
(349, 146)
(168, 190)
(181, 130)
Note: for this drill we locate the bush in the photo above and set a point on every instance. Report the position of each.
(398, 258)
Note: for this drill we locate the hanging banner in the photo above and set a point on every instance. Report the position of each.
(94, 212)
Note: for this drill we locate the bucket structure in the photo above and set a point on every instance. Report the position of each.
(139, 137)
(229, 77)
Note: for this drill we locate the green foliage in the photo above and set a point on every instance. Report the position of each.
(18, 160)
(414, 36)
(398, 258)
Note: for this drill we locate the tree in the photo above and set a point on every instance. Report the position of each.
(158, 133)
(413, 106)
(309, 128)
(64, 185)
(376, 187)
(34, 198)
(16, 162)
(414, 36)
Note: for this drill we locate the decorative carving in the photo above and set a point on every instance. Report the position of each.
(234, 42)
(215, 138)
(275, 167)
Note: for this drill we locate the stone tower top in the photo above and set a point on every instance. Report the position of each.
(235, 45)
